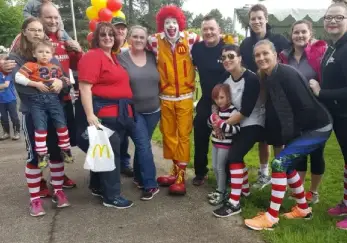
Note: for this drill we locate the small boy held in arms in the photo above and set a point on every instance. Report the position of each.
(32, 8)
(8, 105)
(45, 103)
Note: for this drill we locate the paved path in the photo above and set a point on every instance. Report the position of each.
(164, 219)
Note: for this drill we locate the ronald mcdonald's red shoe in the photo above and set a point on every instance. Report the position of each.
(179, 187)
(168, 180)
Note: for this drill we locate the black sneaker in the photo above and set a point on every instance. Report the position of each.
(118, 202)
(199, 180)
(227, 210)
(96, 193)
(129, 172)
(149, 194)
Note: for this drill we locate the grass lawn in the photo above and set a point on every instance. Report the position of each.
(321, 229)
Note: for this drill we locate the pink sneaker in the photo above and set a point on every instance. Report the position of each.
(342, 224)
(339, 210)
(36, 208)
(60, 199)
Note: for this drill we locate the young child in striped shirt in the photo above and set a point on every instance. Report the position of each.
(222, 139)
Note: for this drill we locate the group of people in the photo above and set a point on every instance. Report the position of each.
(269, 90)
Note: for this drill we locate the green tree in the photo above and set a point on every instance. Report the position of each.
(196, 23)
(11, 19)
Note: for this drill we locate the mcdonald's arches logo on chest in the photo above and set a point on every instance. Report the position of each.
(101, 149)
(181, 49)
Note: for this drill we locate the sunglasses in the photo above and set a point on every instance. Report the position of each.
(107, 34)
(229, 56)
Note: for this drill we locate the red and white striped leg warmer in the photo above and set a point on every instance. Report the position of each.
(298, 190)
(245, 184)
(57, 174)
(236, 181)
(63, 138)
(33, 176)
(279, 184)
(345, 185)
(40, 142)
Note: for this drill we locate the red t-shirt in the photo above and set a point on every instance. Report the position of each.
(110, 80)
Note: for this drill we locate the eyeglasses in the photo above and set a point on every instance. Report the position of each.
(338, 18)
(35, 30)
(228, 56)
(107, 34)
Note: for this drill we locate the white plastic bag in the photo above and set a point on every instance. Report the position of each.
(100, 157)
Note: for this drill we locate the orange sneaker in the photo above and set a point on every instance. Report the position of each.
(260, 222)
(298, 213)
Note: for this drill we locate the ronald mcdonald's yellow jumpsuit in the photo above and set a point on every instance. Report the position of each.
(177, 84)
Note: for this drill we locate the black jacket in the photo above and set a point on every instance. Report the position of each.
(334, 78)
(247, 45)
(294, 104)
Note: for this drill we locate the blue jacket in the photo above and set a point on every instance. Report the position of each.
(8, 94)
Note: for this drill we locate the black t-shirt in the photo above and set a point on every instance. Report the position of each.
(211, 71)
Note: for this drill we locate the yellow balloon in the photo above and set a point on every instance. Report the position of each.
(99, 4)
(118, 14)
(92, 13)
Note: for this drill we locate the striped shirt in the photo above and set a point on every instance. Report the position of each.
(228, 130)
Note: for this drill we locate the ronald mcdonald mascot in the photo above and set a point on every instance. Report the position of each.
(172, 46)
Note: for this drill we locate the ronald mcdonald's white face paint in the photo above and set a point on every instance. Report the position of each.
(171, 29)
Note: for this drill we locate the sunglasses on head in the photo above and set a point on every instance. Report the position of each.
(229, 56)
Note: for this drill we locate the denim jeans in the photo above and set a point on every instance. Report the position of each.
(9, 109)
(109, 182)
(144, 167)
(124, 155)
(44, 105)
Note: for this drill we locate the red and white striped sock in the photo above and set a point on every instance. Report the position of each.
(63, 138)
(40, 142)
(298, 190)
(236, 180)
(33, 176)
(345, 185)
(245, 184)
(279, 184)
(57, 175)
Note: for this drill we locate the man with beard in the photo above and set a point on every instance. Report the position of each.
(172, 46)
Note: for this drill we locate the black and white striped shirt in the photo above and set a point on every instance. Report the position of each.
(228, 130)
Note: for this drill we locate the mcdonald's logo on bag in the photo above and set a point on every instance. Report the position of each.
(101, 150)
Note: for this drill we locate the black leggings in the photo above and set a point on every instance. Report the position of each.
(317, 162)
(244, 142)
(340, 129)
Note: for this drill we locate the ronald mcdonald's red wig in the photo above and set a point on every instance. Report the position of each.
(170, 11)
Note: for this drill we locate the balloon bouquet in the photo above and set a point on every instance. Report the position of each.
(102, 11)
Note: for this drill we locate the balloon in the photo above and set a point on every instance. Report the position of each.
(105, 15)
(92, 13)
(92, 24)
(99, 4)
(114, 5)
(90, 37)
(118, 14)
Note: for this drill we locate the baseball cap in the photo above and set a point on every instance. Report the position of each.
(117, 21)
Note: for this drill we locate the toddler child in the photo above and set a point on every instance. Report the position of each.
(45, 103)
(222, 139)
(8, 105)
